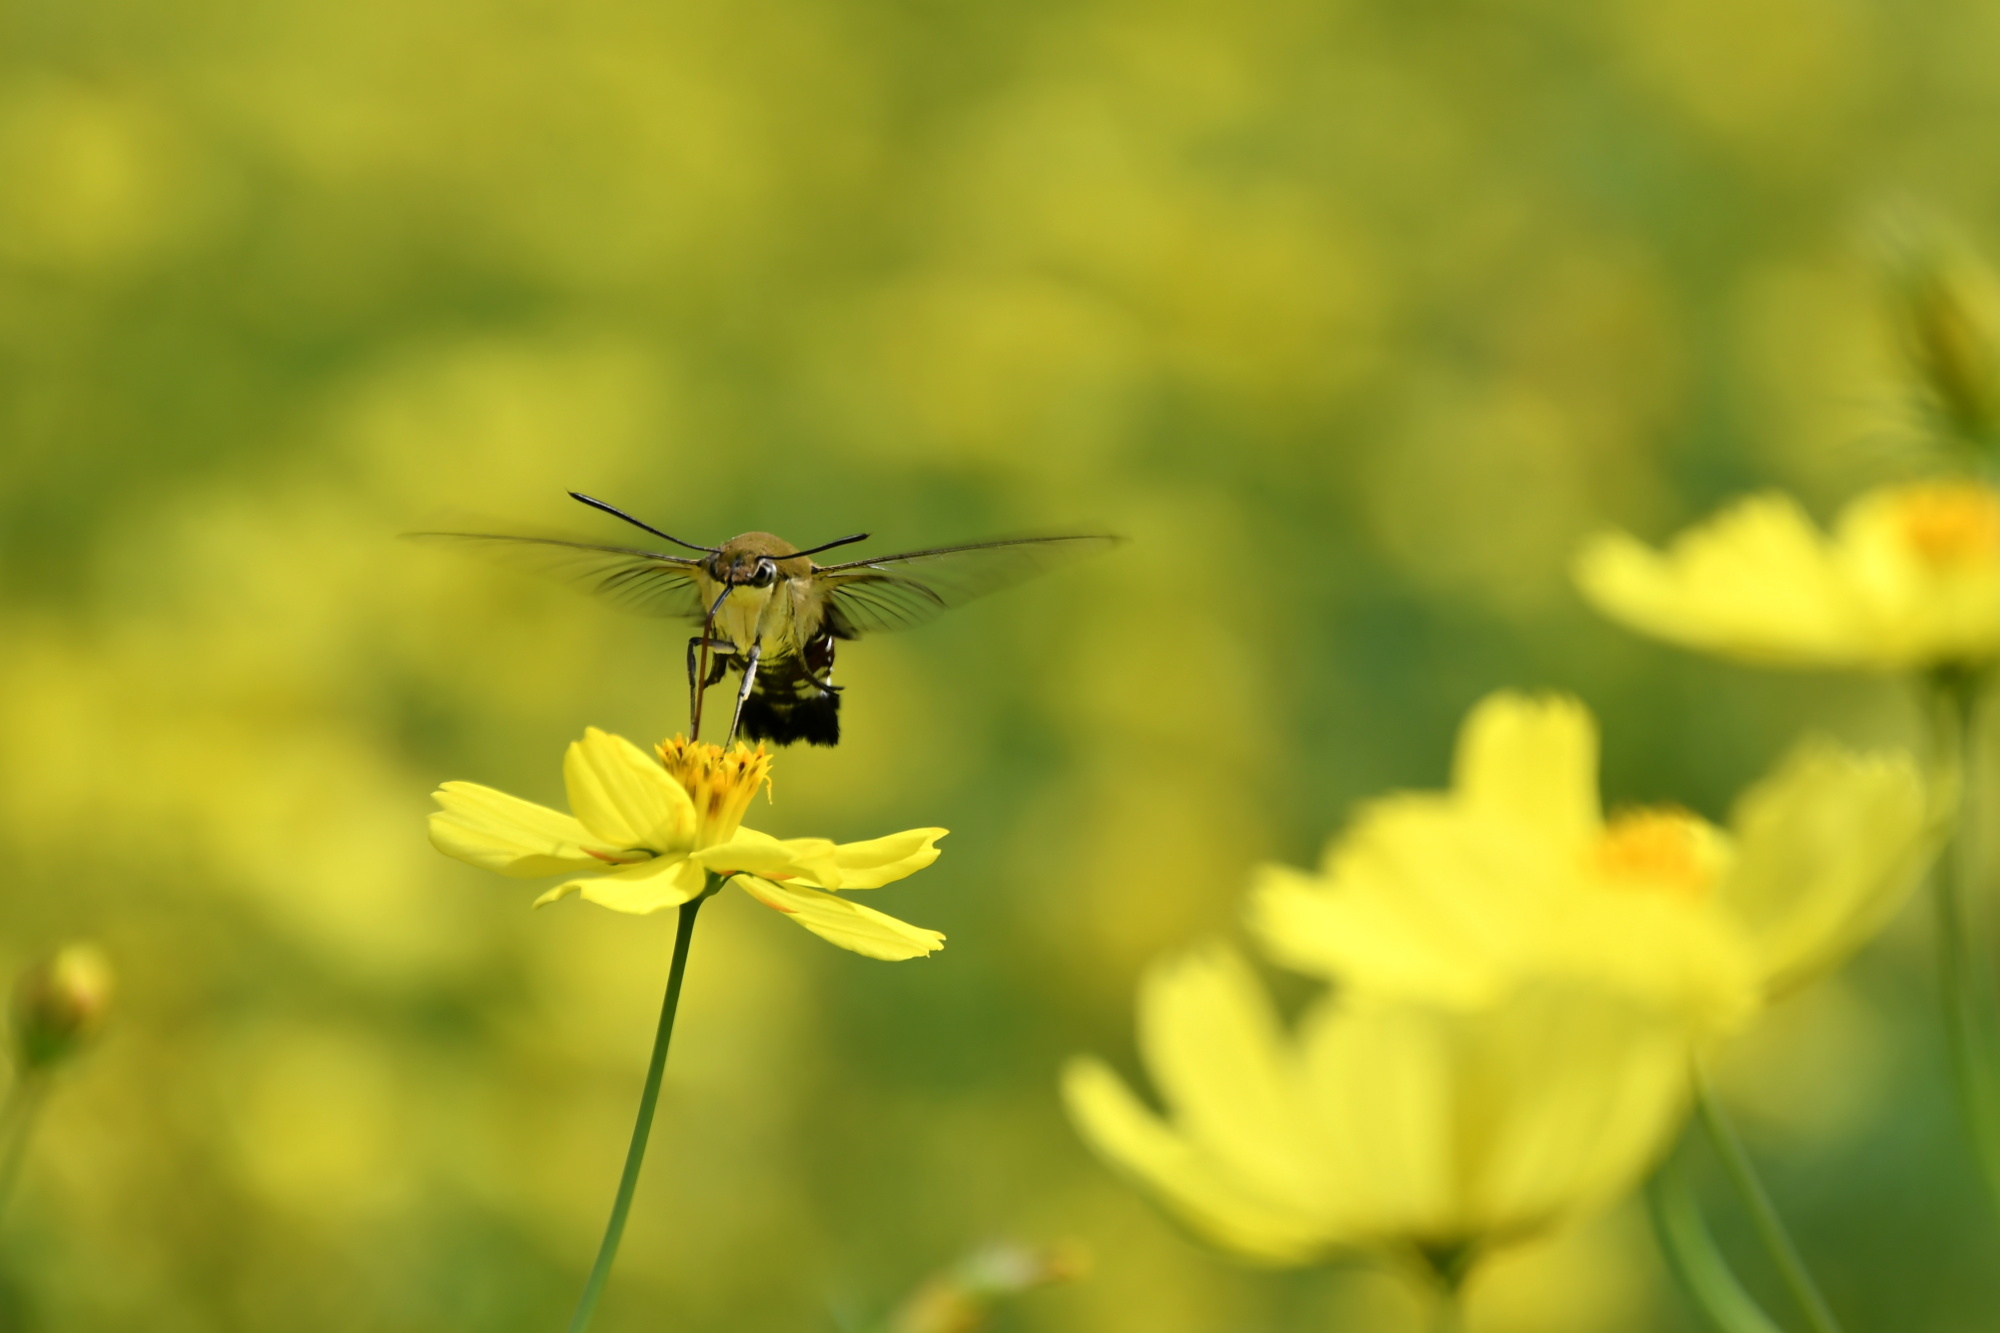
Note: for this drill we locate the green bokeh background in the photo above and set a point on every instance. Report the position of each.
(1355, 317)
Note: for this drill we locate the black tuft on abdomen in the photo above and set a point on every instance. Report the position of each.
(787, 706)
(789, 721)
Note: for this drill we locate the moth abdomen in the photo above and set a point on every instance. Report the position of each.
(787, 721)
(788, 704)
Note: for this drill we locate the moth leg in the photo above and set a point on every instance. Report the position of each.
(824, 686)
(818, 658)
(716, 668)
(749, 679)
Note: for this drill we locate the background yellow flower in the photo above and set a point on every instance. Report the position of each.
(1417, 1132)
(1909, 581)
(1515, 873)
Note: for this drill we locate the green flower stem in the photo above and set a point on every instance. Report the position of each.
(1963, 986)
(1692, 1254)
(17, 1125)
(614, 1230)
(1448, 1314)
(1445, 1269)
(1764, 1217)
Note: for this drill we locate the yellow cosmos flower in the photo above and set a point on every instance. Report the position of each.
(1393, 1127)
(647, 832)
(1516, 873)
(1909, 580)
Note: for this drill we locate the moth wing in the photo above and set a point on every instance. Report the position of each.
(895, 592)
(638, 581)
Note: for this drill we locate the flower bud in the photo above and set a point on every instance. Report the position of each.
(1950, 316)
(59, 1004)
(963, 1298)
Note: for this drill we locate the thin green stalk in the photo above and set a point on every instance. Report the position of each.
(1444, 1269)
(1962, 985)
(614, 1230)
(17, 1126)
(1448, 1313)
(1764, 1217)
(1693, 1256)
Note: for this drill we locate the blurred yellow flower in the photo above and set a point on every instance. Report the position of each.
(1515, 874)
(1908, 581)
(648, 832)
(1396, 1127)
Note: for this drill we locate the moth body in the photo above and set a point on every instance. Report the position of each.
(769, 613)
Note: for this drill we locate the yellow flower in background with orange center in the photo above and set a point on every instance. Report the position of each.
(1951, 526)
(648, 832)
(1660, 851)
(1516, 874)
(1393, 1127)
(1908, 581)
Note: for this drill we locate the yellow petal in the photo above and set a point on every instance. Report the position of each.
(1381, 1080)
(1364, 939)
(853, 927)
(754, 853)
(623, 795)
(495, 831)
(1215, 1050)
(819, 863)
(650, 886)
(560, 892)
(1571, 1093)
(1758, 583)
(1449, 1125)
(1420, 899)
(1531, 761)
(1133, 1140)
(879, 861)
(1829, 847)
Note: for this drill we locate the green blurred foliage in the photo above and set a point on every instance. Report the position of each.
(1355, 317)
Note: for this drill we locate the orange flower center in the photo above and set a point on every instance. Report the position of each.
(719, 782)
(1660, 851)
(1951, 524)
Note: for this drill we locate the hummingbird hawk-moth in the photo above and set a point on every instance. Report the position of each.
(772, 614)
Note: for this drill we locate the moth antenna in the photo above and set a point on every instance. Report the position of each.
(616, 512)
(828, 546)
